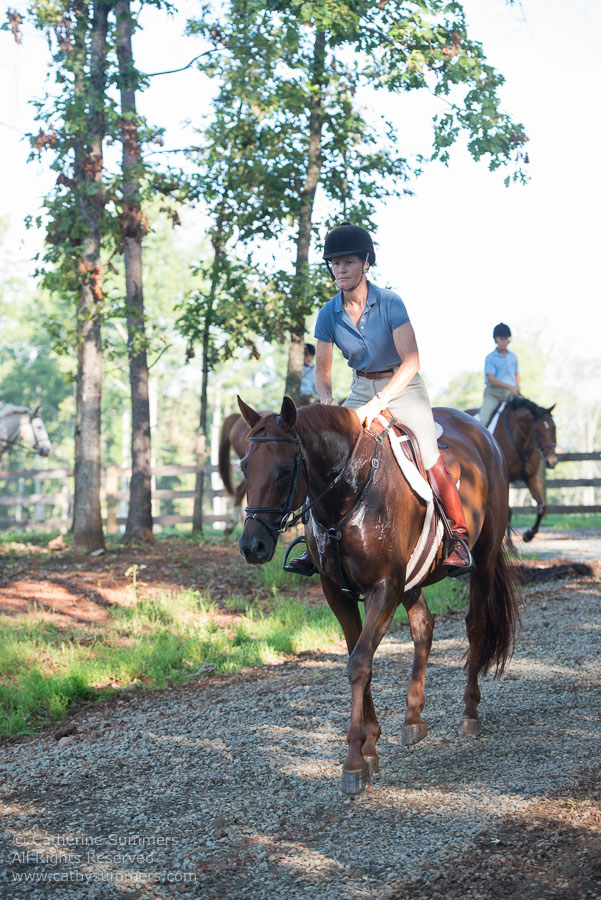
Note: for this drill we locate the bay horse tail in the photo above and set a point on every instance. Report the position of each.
(502, 617)
(225, 465)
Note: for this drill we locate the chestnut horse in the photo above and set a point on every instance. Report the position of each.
(234, 431)
(364, 523)
(525, 433)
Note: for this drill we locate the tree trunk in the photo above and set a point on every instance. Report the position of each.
(87, 524)
(139, 516)
(201, 441)
(300, 285)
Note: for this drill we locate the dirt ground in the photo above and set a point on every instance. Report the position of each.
(74, 591)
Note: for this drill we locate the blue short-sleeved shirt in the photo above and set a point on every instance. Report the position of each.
(370, 345)
(503, 366)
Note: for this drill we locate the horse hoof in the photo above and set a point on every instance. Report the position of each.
(527, 536)
(355, 781)
(470, 726)
(373, 764)
(413, 734)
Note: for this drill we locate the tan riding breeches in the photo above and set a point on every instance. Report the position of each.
(411, 406)
(493, 397)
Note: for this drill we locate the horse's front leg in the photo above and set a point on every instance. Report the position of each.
(421, 624)
(347, 612)
(535, 486)
(381, 602)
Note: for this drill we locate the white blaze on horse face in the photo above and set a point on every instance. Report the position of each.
(33, 431)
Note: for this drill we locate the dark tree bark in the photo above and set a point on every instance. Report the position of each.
(139, 517)
(217, 241)
(87, 523)
(300, 285)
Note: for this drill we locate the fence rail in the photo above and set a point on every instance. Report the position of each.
(34, 507)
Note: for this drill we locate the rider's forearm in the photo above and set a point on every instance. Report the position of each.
(494, 382)
(323, 384)
(403, 375)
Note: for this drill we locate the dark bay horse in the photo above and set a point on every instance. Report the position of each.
(525, 433)
(364, 524)
(234, 432)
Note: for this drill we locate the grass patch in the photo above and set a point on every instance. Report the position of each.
(560, 521)
(44, 673)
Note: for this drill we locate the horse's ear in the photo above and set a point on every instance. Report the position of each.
(250, 416)
(288, 412)
(551, 408)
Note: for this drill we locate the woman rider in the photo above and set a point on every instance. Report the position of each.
(371, 328)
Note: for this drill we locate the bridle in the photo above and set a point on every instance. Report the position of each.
(284, 511)
(7, 443)
(287, 520)
(540, 447)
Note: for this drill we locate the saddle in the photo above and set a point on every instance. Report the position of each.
(406, 450)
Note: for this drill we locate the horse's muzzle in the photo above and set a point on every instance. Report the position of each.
(551, 461)
(256, 548)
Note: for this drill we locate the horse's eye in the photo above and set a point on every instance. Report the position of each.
(284, 472)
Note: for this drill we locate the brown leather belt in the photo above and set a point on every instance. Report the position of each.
(373, 375)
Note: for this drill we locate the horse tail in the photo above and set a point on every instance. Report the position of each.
(502, 617)
(225, 465)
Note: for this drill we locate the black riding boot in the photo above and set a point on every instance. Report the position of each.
(303, 564)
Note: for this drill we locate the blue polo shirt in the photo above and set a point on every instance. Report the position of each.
(502, 366)
(370, 345)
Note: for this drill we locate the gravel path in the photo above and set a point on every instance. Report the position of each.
(579, 546)
(230, 788)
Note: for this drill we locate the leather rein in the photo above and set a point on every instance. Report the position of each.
(284, 511)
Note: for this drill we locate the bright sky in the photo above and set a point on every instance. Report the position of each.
(465, 252)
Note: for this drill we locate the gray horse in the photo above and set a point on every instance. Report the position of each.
(21, 422)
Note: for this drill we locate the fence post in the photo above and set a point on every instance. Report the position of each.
(112, 488)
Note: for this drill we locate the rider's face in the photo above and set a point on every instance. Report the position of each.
(348, 271)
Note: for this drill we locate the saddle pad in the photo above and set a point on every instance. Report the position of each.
(414, 478)
(425, 549)
(493, 422)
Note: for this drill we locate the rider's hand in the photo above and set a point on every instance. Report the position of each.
(368, 412)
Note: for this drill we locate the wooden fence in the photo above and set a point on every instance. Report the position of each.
(43, 498)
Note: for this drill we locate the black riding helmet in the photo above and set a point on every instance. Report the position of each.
(347, 240)
(501, 330)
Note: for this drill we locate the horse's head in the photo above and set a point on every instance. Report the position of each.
(33, 431)
(544, 433)
(276, 484)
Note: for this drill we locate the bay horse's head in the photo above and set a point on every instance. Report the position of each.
(543, 428)
(544, 432)
(275, 474)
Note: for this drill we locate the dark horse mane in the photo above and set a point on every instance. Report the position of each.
(532, 407)
(318, 418)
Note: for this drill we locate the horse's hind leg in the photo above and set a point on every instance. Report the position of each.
(475, 620)
(421, 624)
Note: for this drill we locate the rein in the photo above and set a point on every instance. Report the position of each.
(284, 511)
(335, 533)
